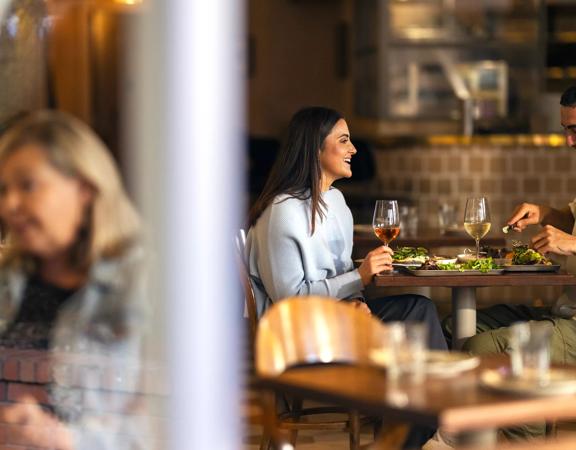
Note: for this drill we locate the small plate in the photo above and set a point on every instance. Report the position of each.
(444, 260)
(442, 273)
(411, 265)
(532, 268)
(562, 382)
(465, 257)
(438, 363)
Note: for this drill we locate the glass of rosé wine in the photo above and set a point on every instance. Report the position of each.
(386, 221)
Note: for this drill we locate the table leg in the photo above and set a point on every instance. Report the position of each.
(463, 315)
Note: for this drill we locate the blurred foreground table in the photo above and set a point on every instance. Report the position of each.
(464, 292)
(457, 404)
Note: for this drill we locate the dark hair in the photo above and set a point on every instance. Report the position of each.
(296, 171)
(568, 98)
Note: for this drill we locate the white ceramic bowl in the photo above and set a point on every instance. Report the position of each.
(465, 257)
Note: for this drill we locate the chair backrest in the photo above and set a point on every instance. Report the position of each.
(310, 330)
(250, 310)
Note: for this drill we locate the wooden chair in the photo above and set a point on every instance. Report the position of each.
(250, 311)
(311, 330)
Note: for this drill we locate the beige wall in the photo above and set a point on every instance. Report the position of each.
(295, 58)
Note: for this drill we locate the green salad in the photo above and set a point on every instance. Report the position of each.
(410, 254)
(483, 265)
(522, 255)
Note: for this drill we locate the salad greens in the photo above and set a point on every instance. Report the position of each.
(402, 253)
(448, 266)
(483, 265)
(523, 255)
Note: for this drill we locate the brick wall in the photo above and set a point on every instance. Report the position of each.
(26, 373)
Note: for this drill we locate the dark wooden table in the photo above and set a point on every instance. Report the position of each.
(457, 404)
(464, 292)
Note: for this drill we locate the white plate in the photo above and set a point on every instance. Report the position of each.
(444, 260)
(438, 363)
(532, 268)
(562, 382)
(413, 265)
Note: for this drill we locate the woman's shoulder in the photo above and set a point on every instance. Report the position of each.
(334, 197)
(114, 270)
(334, 193)
(285, 214)
(288, 206)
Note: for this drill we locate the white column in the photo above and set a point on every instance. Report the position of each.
(189, 112)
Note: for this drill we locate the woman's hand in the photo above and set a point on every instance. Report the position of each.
(31, 424)
(378, 260)
(553, 240)
(527, 214)
(359, 304)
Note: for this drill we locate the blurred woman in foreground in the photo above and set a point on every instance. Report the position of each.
(300, 240)
(70, 277)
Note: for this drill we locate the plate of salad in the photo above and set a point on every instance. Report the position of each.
(483, 266)
(409, 256)
(525, 259)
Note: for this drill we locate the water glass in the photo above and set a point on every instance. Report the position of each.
(408, 345)
(530, 344)
(409, 220)
(447, 217)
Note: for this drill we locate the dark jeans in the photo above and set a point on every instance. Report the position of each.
(411, 307)
(499, 316)
(415, 308)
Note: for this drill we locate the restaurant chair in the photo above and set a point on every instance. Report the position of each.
(293, 409)
(312, 330)
(250, 311)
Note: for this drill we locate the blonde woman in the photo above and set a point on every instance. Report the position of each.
(70, 279)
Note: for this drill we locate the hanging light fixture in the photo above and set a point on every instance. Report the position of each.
(129, 2)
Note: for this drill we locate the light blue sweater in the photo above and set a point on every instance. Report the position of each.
(285, 260)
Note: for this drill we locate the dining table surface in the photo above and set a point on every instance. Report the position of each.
(464, 302)
(457, 404)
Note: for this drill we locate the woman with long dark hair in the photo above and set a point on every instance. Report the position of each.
(301, 230)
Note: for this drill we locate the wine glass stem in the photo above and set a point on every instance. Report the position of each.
(477, 248)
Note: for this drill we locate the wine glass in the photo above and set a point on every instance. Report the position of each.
(386, 221)
(477, 220)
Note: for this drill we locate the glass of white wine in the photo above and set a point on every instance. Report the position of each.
(477, 220)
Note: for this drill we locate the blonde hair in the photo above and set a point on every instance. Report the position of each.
(75, 150)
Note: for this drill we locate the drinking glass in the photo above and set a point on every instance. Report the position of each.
(477, 220)
(407, 350)
(447, 217)
(530, 344)
(386, 221)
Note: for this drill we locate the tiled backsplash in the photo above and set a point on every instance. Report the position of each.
(506, 176)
